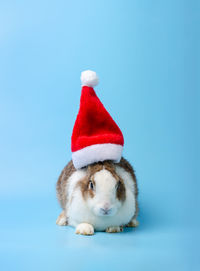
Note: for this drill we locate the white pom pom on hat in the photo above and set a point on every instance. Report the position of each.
(89, 78)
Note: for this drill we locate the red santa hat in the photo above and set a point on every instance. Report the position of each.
(95, 137)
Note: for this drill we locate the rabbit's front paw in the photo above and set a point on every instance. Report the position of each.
(114, 229)
(85, 229)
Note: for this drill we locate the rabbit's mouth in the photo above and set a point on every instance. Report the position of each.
(105, 212)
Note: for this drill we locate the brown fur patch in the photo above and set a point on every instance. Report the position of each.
(127, 167)
(62, 183)
(121, 192)
(132, 224)
(84, 186)
(92, 169)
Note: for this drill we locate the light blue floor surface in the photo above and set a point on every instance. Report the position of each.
(30, 240)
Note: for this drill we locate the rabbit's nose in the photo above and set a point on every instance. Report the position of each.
(106, 206)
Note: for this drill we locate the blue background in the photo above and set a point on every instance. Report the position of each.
(146, 54)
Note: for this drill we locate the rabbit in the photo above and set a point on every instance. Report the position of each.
(99, 197)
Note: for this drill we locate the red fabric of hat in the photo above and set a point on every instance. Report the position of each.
(95, 137)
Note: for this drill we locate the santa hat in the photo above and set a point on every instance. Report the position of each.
(95, 137)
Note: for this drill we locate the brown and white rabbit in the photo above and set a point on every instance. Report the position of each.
(99, 197)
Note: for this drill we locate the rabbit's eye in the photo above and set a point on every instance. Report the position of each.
(91, 185)
(118, 185)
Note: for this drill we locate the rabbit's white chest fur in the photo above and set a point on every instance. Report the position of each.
(77, 211)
